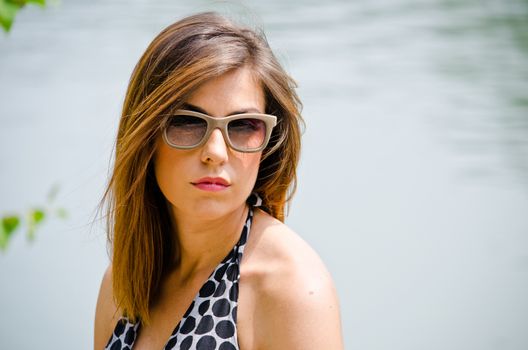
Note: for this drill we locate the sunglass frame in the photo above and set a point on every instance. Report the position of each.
(221, 123)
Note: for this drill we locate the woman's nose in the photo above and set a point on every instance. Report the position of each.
(215, 148)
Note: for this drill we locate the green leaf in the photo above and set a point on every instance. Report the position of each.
(9, 9)
(8, 12)
(3, 238)
(9, 224)
(37, 215)
(41, 3)
(7, 228)
(19, 3)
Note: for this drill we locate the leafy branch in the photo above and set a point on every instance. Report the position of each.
(31, 219)
(9, 9)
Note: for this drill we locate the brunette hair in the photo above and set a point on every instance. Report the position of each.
(181, 58)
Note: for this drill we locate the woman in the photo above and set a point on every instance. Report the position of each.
(207, 149)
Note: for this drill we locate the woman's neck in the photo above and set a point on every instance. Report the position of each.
(203, 243)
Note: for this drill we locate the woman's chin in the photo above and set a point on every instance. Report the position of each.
(208, 208)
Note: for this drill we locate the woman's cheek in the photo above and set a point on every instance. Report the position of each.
(165, 173)
(251, 170)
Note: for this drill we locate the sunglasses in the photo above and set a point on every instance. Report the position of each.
(247, 132)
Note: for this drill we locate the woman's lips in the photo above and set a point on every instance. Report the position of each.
(208, 186)
(213, 184)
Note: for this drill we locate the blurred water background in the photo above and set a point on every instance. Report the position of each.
(413, 183)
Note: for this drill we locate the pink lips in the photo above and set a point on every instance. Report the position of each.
(213, 184)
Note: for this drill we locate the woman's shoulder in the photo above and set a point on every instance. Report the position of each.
(106, 311)
(277, 250)
(297, 299)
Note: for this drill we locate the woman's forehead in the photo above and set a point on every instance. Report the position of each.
(235, 91)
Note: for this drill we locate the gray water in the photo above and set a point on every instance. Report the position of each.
(413, 182)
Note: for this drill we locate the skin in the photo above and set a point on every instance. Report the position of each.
(287, 299)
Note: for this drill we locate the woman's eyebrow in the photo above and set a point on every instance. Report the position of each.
(194, 108)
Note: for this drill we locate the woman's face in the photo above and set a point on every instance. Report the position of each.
(178, 171)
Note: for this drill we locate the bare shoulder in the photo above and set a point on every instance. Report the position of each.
(298, 302)
(280, 250)
(106, 312)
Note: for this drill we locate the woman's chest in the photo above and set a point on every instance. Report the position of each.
(194, 317)
(165, 316)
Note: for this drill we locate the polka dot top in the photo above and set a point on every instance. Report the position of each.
(210, 321)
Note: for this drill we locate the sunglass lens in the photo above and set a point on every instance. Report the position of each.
(247, 133)
(185, 130)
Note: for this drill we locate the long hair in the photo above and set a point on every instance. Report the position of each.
(181, 58)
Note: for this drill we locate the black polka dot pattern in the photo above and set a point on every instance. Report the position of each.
(124, 335)
(210, 321)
